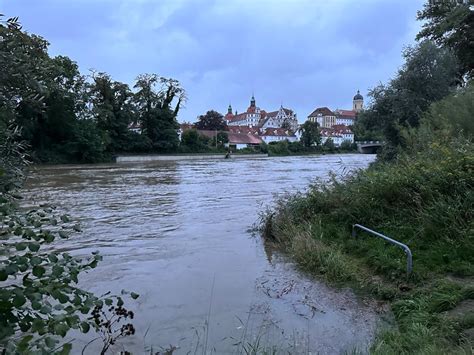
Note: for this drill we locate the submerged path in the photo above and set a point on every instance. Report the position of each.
(178, 233)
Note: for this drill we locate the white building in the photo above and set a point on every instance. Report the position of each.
(277, 135)
(345, 117)
(327, 118)
(250, 118)
(338, 134)
(323, 116)
(283, 118)
(255, 117)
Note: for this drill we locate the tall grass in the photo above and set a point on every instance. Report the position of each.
(425, 200)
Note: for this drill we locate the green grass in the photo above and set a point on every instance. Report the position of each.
(425, 200)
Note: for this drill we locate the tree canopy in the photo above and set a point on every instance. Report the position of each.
(66, 116)
(212, 120)
(428, 75)
(451, 24)
(310, 134)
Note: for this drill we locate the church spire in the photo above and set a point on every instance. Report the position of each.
(252, 101)
(229, 109)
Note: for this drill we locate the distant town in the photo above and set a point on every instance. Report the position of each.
(255, 126)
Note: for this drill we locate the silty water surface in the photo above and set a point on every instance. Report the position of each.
(178, 233)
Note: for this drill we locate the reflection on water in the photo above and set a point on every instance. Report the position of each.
(177, 233)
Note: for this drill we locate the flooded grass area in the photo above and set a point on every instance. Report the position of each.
(179, 234)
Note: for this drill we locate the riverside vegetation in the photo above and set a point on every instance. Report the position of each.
(420, 192)
(40, 301)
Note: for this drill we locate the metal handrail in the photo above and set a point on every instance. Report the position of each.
(405, 248)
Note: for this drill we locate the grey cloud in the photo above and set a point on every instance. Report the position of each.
(303, 53)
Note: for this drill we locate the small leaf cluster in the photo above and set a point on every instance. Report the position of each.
(109, 317)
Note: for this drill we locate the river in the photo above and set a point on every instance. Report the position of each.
(179, 234)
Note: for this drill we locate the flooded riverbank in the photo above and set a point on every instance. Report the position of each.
(178, 234)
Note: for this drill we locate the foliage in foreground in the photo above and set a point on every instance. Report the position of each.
(40, 301)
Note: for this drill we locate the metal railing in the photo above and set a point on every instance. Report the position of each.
(405, 248)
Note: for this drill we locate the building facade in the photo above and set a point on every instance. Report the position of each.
(255, 117)
(323, 116)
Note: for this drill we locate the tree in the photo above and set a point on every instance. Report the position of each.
(114, 111)
(451, 24)
(220, 139)
(154, 98)
(212, 120)
(346, 145)
(329, 145)
(428, 75)
(310, 134)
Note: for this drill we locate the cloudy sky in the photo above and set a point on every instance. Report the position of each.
(299, 53)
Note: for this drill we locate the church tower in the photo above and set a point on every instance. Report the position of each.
(358, 102)
(229, 110)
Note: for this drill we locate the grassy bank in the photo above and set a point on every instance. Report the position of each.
(424, 200)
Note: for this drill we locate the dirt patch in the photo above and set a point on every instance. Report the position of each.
(463, 308)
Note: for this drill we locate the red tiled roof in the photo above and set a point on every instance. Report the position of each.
(324, 111)
(335, 130)
(278, 132)
(238, 117)
(243, 129)
(242, 138)
(346, 113)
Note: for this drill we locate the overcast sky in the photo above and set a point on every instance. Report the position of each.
(301, 53)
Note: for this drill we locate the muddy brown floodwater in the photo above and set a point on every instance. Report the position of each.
(178, 233)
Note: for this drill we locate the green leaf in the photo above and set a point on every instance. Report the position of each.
(23, 343)
(20, 246)
(38, 271)
(57, 270)
(63, 234)
(108, 301)
(3, 275)
(61, 329)
(119, 301)
(11, 269)
(50, 342)
(19, 300)
(34, 247)
(35, 260)
(48, 237)
(63, 298)
(134, 295)
(66, 350)
(85, 327)
(64, 218)
(52, 257)
(36, 305)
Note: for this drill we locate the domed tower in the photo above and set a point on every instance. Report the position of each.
(358, 102)
(229, 114)
(252, 106)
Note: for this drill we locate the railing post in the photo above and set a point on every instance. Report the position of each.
(405, 248)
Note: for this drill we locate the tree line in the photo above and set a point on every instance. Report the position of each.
(66, 116)
(440, 64)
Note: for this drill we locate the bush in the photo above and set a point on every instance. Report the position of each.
(278, 148)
